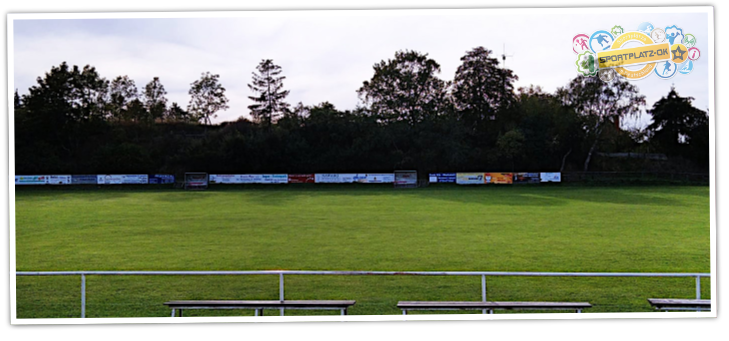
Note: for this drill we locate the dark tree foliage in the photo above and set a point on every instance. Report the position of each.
(270, 102)
(405, 89)
(482, 89)
(122, 92)
(75, 122)
(154, 99)
(601, 103)
(678, 128)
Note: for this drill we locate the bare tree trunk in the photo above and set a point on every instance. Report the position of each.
(564, 159)
(594, 145)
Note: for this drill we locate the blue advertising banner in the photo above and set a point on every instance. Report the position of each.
(89, 179)
(442, 177)
(158, 179)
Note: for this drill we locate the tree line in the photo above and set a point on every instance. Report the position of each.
(75, 121)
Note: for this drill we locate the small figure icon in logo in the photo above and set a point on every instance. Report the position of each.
(606, 75)
(658, 35)
(689, 40)
(579, 43)
(646, 28)
(616, 30)
(666, 67)
(600, 41)
(674, 33)
(687, 68)
(666, 70)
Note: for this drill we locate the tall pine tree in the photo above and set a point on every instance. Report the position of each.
(268, 85)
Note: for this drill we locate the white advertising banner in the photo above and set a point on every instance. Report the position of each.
(470, 178)
(332, 178)
(383, 178)
(274, 178)
(31, 179)
(122, 179)
(225, 179)
(59, 179)
(347, 178)
(550, 177)
(249, 178)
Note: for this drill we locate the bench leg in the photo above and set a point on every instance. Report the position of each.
(404, 312)
(491, 311)
(282, 309)
(344, 311)
(173, 312)
(180, 312)
(579, 311)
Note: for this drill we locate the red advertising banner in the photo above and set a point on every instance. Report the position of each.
(301, 178)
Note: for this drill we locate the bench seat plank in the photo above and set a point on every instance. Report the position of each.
(268, 303)
(670, 303)
(490, 305)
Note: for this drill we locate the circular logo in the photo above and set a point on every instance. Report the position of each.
(666, 70)
(579, 43)
(658, 35)
(686, 68)
(606, 75)
(679, 53)
(646, 28)
(689, 40)
(600, 41)
(694, 53)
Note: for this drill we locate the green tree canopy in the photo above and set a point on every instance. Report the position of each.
(207, 97)
(405, 89)
(481, 88)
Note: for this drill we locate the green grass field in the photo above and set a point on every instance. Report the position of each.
(357, 227)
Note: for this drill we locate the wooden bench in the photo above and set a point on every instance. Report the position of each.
(488, 307)
(667, 304)
(259, 306)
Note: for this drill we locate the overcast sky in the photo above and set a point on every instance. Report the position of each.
(326, 55)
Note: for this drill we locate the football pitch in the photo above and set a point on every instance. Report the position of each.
(356, 227)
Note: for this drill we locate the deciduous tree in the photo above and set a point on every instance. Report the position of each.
(207, 98)
(602, 103)
(405, 89)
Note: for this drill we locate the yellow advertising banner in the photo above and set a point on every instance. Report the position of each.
(499, 178)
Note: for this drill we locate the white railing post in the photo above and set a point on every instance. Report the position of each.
(281, 290)
(83, 296)
(483, 287)
(698, 287)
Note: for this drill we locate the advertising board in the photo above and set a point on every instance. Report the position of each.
(59, 179)
(31, 179)
(158, 179)
(442, 177)
(550, 177)
(379, 178)
(302, 178)
(470, 179)
(498, 178)
(84, 179)
(526, 178)
(122, 179)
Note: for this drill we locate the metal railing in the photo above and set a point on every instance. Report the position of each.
(281, 274)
